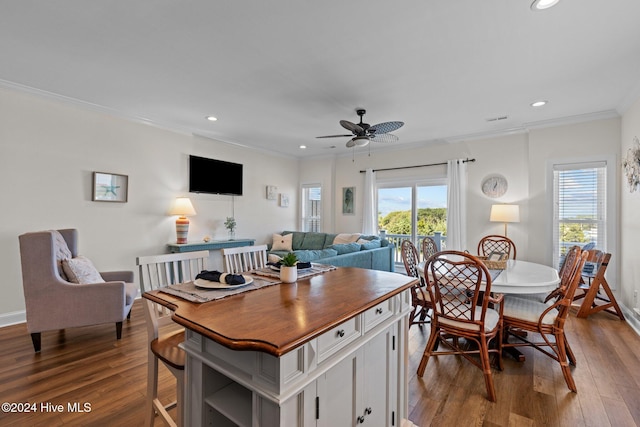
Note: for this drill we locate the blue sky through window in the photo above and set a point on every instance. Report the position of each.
(399, 199)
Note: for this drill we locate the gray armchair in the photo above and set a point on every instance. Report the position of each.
(53, 303)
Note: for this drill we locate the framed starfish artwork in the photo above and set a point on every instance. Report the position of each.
(110, 187)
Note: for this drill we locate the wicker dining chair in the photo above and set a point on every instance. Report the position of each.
(460, 287)
(547, 319)
(429, 248)
(496, 243)
(419, 296)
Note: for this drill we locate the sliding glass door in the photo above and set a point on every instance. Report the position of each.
(413, 210)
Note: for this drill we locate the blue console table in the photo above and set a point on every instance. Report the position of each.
(211, 246)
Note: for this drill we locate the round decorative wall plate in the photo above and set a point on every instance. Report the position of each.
(494, 186)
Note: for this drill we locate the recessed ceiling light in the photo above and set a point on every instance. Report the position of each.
(539, 103)
(303, 146)
(212, 118)
(543, 4)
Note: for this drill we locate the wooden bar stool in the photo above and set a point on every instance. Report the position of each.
(594, 300)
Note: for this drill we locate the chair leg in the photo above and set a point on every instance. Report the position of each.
(180, 384)
(36, 339)
(486, 369)
(570, 355)
(433, 339)
(129, 315)
(562, 358)
(152, 389)
(118, 330)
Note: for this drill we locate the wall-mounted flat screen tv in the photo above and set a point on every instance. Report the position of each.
(214, 176)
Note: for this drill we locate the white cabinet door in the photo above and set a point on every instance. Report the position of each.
(378, 396)
(359, 391)
(337, 393)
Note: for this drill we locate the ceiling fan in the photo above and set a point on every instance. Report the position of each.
(363, 133)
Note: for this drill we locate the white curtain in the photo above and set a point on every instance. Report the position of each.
(457, 205)
(369, 219)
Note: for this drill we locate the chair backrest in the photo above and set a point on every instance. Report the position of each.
(244, 258)
(159, 271)
(496, 243)
(568, 263)
(568, 285)
(41, 256)
(429, 248)
(458, 283)
(410, 257)
(594, 258)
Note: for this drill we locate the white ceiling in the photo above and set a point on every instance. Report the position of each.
(278, 73)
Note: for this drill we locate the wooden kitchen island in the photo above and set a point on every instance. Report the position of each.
(330, 350)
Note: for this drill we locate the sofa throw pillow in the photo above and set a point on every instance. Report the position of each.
(346, 238)
(346, 248)
(81, 270)
(61, 251)
(370, 244)
(313, 241)
(282, 243)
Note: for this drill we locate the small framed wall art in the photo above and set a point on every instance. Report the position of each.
(110, 187)
(284, 200)
(348, 200)
(272, 192)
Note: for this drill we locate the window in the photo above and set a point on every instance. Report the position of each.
(580, 206)
(412, 210)
(312, 207)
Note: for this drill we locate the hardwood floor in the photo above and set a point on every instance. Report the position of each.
(534, 393)
(90, 366)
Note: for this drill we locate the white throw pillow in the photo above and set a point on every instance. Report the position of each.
(61, 251)
(81, 270)
(346, 238)
(282, 243)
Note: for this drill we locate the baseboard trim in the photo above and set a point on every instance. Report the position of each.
(8, 319)
(632, 318)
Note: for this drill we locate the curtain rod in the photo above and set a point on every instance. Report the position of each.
(467, 160)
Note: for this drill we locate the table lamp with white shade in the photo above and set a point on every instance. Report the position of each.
(506, 214)
(182, 207)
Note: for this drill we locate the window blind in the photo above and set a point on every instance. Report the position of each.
(579, 205)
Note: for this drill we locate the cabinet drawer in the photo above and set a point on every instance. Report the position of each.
(335, 339)
(377, 314)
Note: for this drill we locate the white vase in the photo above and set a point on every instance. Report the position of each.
(288, 274)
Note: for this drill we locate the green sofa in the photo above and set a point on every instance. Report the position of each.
(375, 254)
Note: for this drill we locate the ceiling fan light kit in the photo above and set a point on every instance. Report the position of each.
(543, 4)
(363, 133)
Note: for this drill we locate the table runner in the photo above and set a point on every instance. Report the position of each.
(191, 292)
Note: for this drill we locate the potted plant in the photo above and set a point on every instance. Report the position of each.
(288, 268)
(230, 224)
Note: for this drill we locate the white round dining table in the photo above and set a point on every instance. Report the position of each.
(521, 277)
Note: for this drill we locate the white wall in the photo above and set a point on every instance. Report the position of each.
(522, 158)
(629, 222)
(48, 151)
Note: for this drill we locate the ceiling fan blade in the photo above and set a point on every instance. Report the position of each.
(385, 127)
(384, 137)
(334, 136)
(357, 130)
